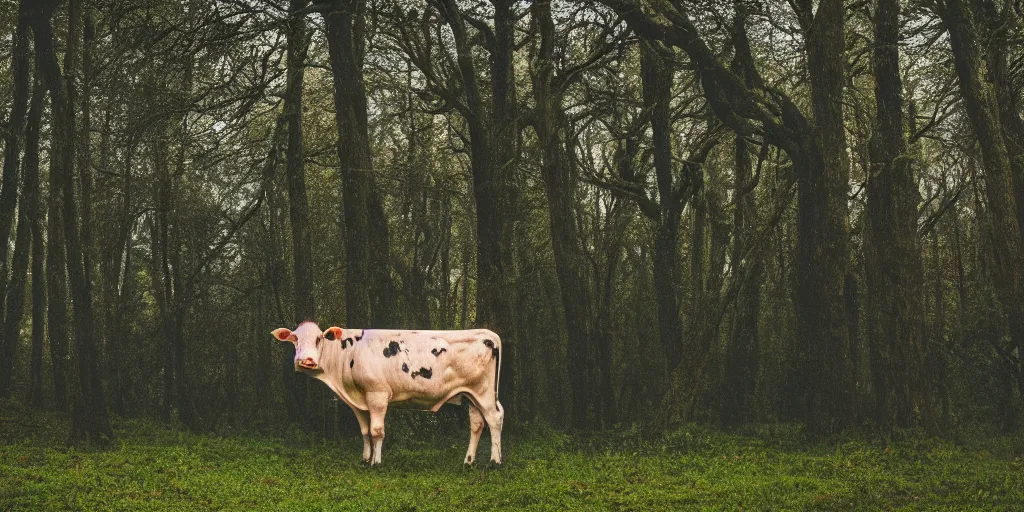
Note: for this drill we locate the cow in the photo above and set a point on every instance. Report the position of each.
(373, 369)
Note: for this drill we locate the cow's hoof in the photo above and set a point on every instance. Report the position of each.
(494, 464)
(365, 462)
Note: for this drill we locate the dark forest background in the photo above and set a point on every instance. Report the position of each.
(728, 212)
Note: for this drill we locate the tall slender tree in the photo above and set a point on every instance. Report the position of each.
(90, 419)
(9, 182)
(566, 241)
(33, 205)
(298, 201)
(364, 230)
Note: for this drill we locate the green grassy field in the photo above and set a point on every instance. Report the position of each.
(151, 467)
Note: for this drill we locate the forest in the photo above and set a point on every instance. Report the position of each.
(711, 216)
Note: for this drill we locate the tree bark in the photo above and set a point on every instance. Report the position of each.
(566, 242)
(345, 45)
(118, 288)
(84, 166)
(23, 246)
(741, 359)
(656, 75)
(89, 419)
(1008, 93)
(494, 132)
(983, 114)
(57, 293)
(823, 373)
(895, 273)
(298, 201)
(20, 71)
(33, 205)
(302, 254)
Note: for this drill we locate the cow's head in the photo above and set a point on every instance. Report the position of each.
(308, 340)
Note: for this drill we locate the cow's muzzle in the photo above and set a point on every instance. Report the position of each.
(308, 363)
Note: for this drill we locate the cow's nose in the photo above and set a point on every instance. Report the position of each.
(308, 363)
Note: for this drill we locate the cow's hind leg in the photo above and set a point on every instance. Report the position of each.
(378, 404)
(476, 429)
(495, 416)
(364, 428)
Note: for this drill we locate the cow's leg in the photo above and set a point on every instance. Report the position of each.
(495, 416)
(364, 428)
(476, 428)
(378, 404)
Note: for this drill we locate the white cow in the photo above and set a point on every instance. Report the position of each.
(371, 370)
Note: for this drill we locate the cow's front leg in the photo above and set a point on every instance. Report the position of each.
(364, 428)
(378, 404)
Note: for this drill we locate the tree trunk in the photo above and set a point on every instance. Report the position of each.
(57, 293)
(656, 74)
(118, 280)
(89, 419)
(302, 254)
(741, 361)
(494, 144)
(894, 268)
(698, 256)
(345, 45)
(20, 70)
(494, 190)
(23, 242)
(84, 165)
(566, 242)
(383, 293)
(1008, 97)
(163, 290)
(983, 113)
(823, 380)
(36, 215)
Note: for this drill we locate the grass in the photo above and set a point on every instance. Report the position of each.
(151, 467)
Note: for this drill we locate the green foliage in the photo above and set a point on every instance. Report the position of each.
(769, 468)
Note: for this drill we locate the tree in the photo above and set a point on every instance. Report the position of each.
(12, 150)
(89, 413)
(983, 113)
(894, 268)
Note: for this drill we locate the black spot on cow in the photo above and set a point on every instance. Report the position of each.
(391, 349)
(494, 350)
(359, 336)
(405, 368)
(438, 352)
(345, 342)
(351, 363)
(423, 372)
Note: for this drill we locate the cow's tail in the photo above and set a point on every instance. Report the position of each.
(497, 373)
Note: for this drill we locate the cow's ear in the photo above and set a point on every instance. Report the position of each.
(333, 333)
(283, 334)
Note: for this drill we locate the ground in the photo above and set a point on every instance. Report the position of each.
(152, 467)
